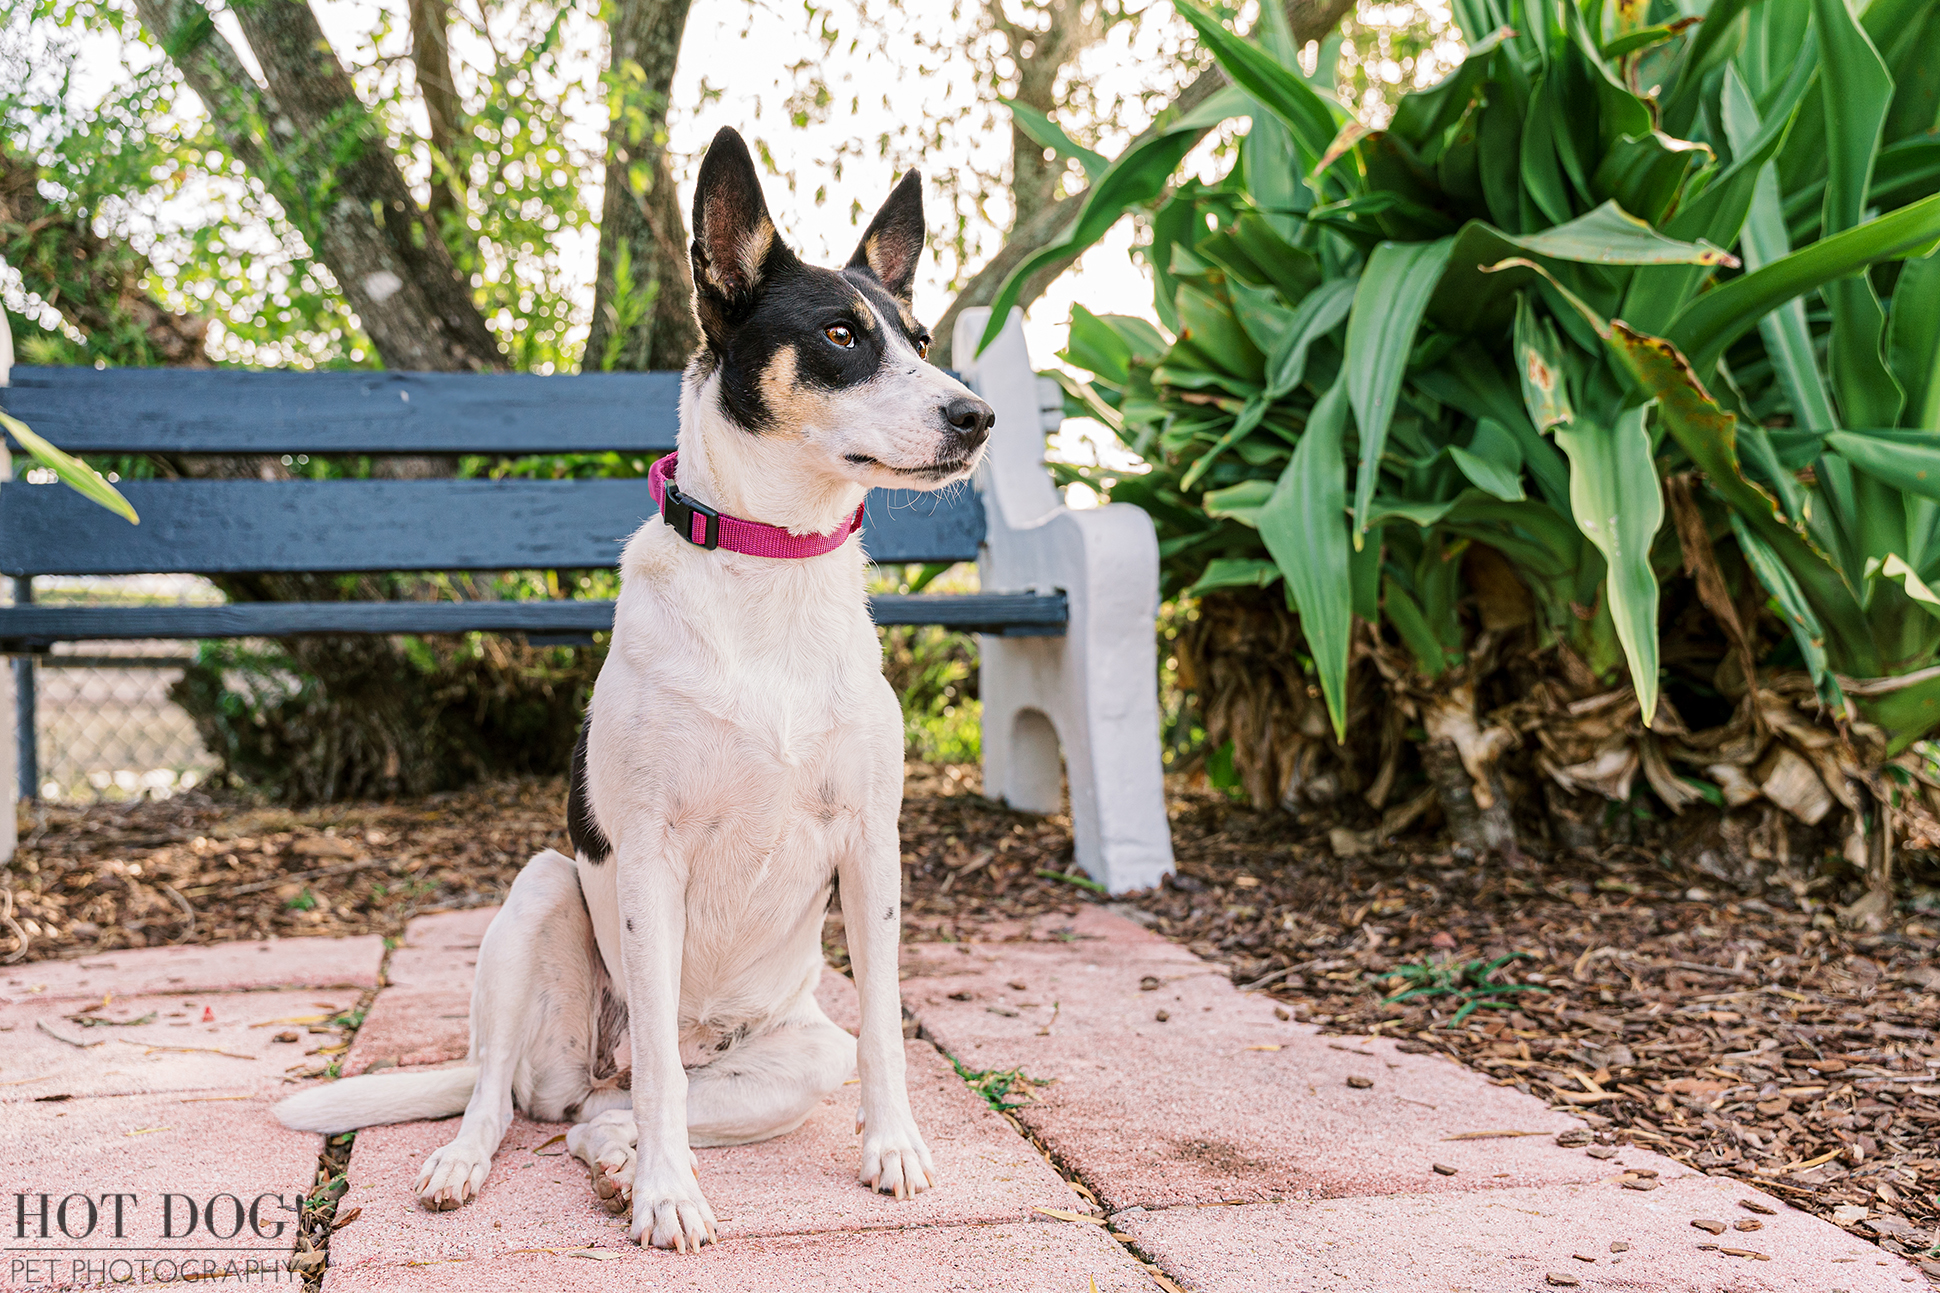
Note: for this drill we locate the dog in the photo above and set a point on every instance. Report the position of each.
(742, 754)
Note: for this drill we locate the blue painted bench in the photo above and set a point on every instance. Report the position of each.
(211, 527)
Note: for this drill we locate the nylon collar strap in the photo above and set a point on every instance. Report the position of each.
(704, 527)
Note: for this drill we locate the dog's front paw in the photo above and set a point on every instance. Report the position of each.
(894, 1158)
(451, 1176)
(605, 1145)
(669, 1210)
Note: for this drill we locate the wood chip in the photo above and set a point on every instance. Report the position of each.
(1561, 1280)
(1619, 1246)
(1163, 1015)
(1709, 1227)
(1574, 1138)
(1444, 1169)
(1753, 1205)
(1638, 1183)
(1744, 1252)
(1583, 1257)
(1748, 1224)
(1359, 1083)
(1602, 1151)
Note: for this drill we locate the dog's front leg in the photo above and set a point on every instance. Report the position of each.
(894, 1158)
(668, 1208)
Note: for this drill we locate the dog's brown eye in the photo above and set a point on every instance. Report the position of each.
(839, 333)
(923, 348)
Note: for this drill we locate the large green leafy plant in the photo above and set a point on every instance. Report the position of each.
(1619, 244)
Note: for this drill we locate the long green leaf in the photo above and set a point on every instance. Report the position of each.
(1894, 567)
(1317, 315)
(1281, 90)
(1764, 241)
(1136, 176)
(1394, 290)
(1719, 317)
(1913, 340)
(1858, 94)
(1304, 526)
(1799, 617)
(78, 476)
(1047, 133)
(1910, 465)
(1618, 505)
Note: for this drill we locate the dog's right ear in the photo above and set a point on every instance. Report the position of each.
(733, 235)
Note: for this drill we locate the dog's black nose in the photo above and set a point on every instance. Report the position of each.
(971, 419)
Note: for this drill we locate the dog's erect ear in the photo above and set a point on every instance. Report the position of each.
(733, 234)
(893, 242)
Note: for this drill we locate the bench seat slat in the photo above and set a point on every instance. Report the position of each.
(238, 526)
(174, 410)
(1015, 614)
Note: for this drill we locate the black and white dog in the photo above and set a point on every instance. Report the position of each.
(742, 750)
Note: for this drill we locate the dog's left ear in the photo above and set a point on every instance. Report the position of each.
(893, 242)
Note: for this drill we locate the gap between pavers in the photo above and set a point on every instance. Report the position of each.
(422, 1015)
(537, 1196)
(1502, 1241)
(1222, 1102)
(1018, 1257)
(220, 967)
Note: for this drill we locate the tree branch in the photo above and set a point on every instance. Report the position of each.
(431, 57)
(1310, 20)
(313, 145)
(643, 239)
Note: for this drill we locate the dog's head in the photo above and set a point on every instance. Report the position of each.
(830, 359)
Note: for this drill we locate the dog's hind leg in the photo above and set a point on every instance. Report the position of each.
(534, 1022)
(768, 1084)
(764, 1086)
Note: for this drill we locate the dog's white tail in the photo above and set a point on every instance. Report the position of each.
(378, 1098)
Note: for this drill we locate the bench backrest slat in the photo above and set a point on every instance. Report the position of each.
(235, 526)
(173, 410)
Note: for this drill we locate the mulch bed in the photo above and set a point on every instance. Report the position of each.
(1749, 1036)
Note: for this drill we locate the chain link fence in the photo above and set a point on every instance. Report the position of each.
(104, 725)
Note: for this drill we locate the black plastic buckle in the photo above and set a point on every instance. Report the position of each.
(679, 511)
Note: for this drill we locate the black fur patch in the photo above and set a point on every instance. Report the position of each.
(589, 841)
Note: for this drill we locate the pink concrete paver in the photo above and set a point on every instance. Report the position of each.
(220, 967)
(540, 1196)
(1027, 1257)
(1499, 1241)
(147, 1148)
(1222, 1101)
(236, 1054)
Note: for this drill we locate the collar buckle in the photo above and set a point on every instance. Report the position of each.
(679, 511)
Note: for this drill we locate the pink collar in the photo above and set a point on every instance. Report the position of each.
(706, 528)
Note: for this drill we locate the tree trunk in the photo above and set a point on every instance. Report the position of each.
(1310, 20)
(97, 285)
(643, 314)
(324, 159)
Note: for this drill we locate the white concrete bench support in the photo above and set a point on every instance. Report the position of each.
(1094, 691)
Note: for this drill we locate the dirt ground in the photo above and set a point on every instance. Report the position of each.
(1746, 1034)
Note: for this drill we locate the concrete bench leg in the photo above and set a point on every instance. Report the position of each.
(1094, 691)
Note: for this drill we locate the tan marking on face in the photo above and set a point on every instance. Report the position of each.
(864, 313)
(791, 407)
(908, 317)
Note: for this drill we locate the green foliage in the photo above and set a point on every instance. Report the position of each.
(1610, 247)
(1471, 985)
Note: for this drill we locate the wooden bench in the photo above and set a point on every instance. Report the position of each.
(210, 527)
